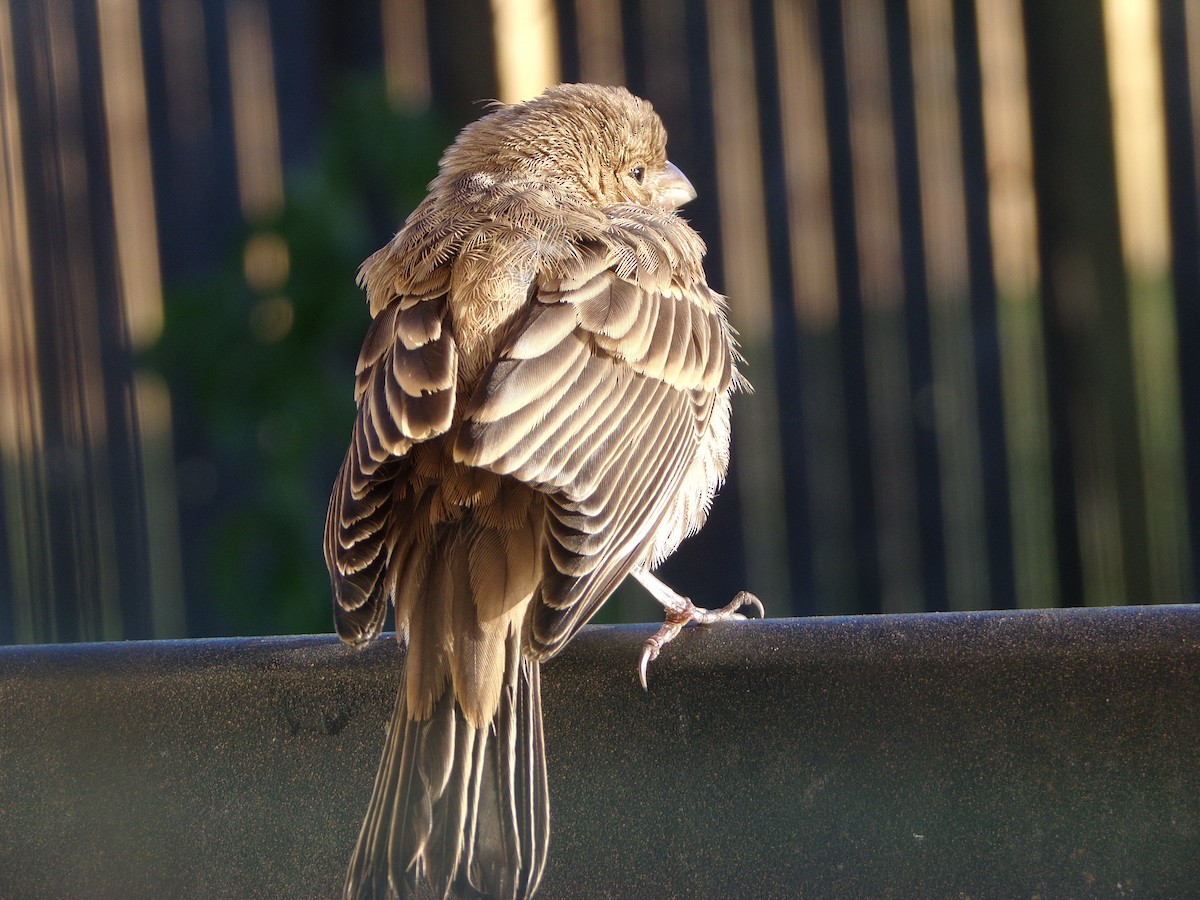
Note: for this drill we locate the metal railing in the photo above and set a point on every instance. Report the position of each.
(1000, 754)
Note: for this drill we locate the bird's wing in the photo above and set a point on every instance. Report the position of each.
(601, 398)
(404, 388)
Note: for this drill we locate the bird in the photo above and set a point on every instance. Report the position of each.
(543, 408)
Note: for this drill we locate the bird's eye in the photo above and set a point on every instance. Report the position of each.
(638, 173)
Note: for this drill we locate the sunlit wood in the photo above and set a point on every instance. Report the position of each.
(1191, 24)
(744, 254)
(806, 164)
(526, 35)
(136, 233)
(79, 479)
(129, 169)
(1009, 147)
(813, 259)
(1102, 530)
(947, 279)
(406, 54)
(21, 433)
(1134, 73)
(255, 110)
(881, 286)
(1013, 219)
(1139, 137)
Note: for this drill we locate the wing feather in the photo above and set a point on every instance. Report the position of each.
(535, 434)
(520, 385)
(601, 398)
(405, 389)
(587, 572)
(548, 324)
(659, 349)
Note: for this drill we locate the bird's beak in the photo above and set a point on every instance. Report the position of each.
(674, 189)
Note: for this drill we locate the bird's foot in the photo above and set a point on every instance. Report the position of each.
(680, 612)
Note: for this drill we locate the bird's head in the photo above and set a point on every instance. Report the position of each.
(601, 145)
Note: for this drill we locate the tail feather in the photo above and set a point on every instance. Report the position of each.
(533, 799)
(510, 826)
(465, 809)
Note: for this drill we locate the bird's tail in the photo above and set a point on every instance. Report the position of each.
(463, 809)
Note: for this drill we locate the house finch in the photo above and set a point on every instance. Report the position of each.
(543, 408)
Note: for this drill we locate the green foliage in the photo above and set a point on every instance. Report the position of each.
(260, 359)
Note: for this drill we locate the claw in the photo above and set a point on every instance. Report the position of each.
(649, 653)
(745, 598)
(688, 612)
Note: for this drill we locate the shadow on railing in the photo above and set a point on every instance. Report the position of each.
(1005, 754)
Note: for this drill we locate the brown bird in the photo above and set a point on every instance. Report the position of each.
(543, 408)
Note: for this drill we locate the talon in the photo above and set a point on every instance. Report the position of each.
(683, 612)
(745, 598)
(672, 626)
(649, 654)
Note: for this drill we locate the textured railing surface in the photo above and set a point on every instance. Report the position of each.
(996, 754)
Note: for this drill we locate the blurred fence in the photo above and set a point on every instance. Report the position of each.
(961, 241)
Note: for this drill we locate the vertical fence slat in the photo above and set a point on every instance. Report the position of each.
(1012, 216)
(744, 253)
(821, 398)
(406, 53)
(1139, 138)
(881, 288)
(1093, 403)
(29, 587)
(954, 388)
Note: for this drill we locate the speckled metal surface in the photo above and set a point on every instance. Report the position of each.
(1051, 754)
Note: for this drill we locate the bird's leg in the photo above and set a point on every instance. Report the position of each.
(680, 611)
